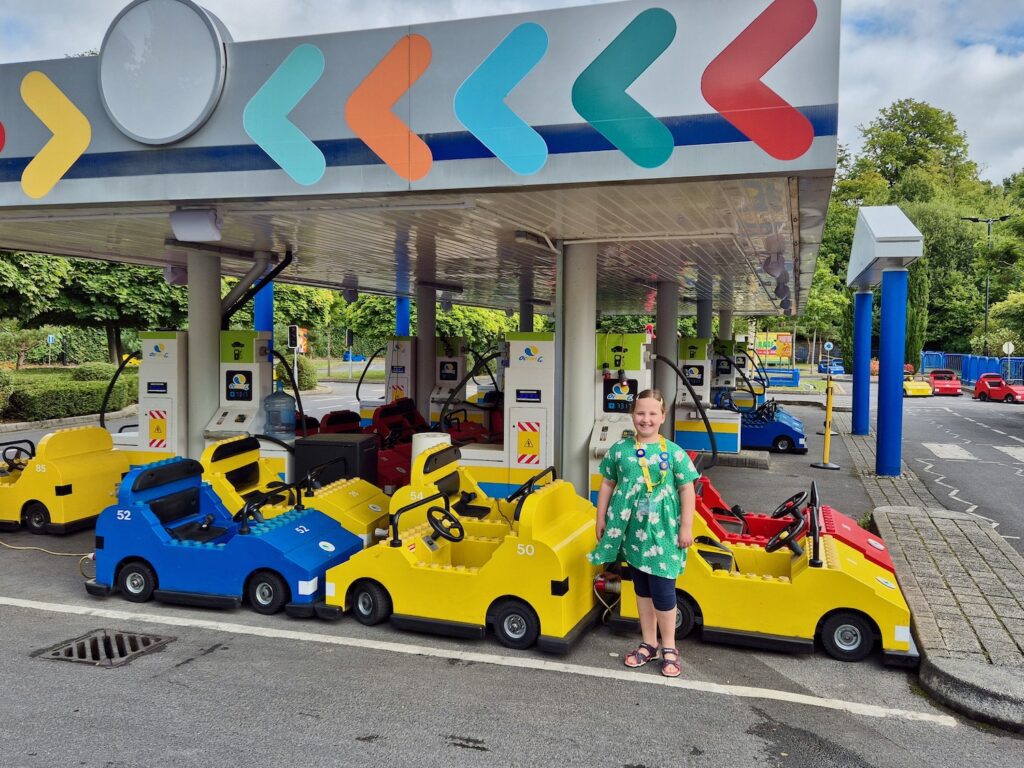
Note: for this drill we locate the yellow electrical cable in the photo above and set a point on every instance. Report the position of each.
(48, 552)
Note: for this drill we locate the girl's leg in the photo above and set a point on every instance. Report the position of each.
(648, 620)
(663, 602)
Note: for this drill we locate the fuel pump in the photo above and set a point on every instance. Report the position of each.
(246, 379)
(399, 376)
(702, 365)
(449, 376)
(623, 371)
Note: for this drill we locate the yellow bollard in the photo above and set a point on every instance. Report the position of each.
(825, 463)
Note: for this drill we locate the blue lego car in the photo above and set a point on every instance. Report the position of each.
(171, 538)
(833, 366)
(770, 428)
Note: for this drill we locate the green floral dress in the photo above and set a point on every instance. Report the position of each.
(649, 542)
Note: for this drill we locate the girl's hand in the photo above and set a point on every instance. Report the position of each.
(600, 526)
(685, 538)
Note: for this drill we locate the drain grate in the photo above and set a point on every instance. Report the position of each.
(105, 648)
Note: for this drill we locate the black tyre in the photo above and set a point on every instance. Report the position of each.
(36, 517)
(136, 581)
(371, 603)
(782, 444)
(847, 636)
(515, 624)
(982, 396)
(1008, 399)
(686, 617)
(267, 592)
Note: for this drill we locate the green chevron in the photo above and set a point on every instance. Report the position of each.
(599, 94)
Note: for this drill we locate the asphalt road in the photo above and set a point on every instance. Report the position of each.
(970, 454)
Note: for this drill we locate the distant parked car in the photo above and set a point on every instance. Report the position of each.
(833, 366)
(355, 357)
(945, 382)
(916, 386)
(992, 386)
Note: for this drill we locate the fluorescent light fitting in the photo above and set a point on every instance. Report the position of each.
(196, 225)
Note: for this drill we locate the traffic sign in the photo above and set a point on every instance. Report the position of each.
(828, 346)
(1008, 348)
(50, 339)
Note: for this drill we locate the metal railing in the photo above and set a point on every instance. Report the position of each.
(970, 367)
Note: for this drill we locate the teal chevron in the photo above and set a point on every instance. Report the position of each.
(599, 93)
(266, 121)
(480, 100)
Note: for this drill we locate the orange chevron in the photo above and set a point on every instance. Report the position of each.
(71, 134)
(369, 109)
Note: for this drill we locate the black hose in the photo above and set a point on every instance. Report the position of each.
(277, 441)
(700, 409)
(259, 285)
(295, 387)
(476, 358)
(750, 387)
(363, 374)
(444, 408)
(113, 381)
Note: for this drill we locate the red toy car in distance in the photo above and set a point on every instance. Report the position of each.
(992, 386)
(945, 382)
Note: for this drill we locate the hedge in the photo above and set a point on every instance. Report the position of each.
(94, 372)
(5, 388)
(306, 374)
(54, 400)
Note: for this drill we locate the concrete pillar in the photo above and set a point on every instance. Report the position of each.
(724, 323)
(525, 303)
(665, 345)
(426, 336)
(577, 322)
(862, 303)
(203, 345)
(892, 343)
(705, 289)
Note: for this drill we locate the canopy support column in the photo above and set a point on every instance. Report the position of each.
(666, 346)
(862, 306)
(577, 322)
(203, 345)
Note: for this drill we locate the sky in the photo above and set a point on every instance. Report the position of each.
(964, 56)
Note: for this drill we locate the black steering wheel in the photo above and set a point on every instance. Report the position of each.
(793, 503)
(768, 410)
(251, 511)
(530, 485)
(787, 536)
(445, 524)
(10, 457)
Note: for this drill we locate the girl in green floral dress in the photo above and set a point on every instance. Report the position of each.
(645, 513)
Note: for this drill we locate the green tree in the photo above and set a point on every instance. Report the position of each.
(1009, 314)
(29, 282)
(917, 312)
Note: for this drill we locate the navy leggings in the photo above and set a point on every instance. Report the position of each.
(661, 589)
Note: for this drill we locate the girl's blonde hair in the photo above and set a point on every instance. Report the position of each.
(654, 394)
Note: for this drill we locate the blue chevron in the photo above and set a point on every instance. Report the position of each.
(480, 100)
(266, 115)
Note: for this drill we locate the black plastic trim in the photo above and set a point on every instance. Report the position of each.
(560, 588)
(60, 529)
(62, 490)
(562, 645)
(300, 610)
(96, 589)
(10, 525)
(167, 473)
(438, 626)
(197, 599)
(758, 640)
(235, 448)
(327, 612)
(99, 542)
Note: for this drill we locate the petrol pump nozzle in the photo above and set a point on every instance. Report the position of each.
(622, 375)
(606, 372)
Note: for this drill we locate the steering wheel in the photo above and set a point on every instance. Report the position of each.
(529, 486)
(391, 438)
(445, 524)
(787, 536)
(12, 460)
(276, 487)
(250, 512)
(793, 503)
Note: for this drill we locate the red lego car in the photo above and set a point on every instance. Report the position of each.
(945, 382)
(992, 386)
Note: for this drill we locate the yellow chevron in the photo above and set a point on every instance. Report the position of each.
(71, 134)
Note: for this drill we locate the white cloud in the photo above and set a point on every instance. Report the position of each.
(965, 56)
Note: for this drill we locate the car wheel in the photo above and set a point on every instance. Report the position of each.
(516, 624)
(136, 581)
(370, 603)
(36, 517)
(782, 444)
(686, 617)
(847, 636)
(267, 592)
(1008, 399)
(982, 396)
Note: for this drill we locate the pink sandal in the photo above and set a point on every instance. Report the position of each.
(643, 654)
(670, 667)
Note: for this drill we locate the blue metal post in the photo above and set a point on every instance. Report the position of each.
(401, 316)
(888, 454)
(862, 303)
(263, 312)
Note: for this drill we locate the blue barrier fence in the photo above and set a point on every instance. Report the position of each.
(970, 367)
(783, 377)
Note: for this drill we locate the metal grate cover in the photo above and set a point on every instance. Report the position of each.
(105, 647)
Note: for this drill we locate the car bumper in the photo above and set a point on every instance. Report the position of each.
(96, 589)
(907, 659)
(562, 645)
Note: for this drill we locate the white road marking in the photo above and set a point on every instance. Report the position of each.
(520, 662)
(1013, 451)
(998, 431)
(950, 451)
(954, 491)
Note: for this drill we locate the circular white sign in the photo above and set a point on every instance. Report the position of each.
(1008, 348)
(885, 582)
(162, 68)
(828, 346)
(326, 546)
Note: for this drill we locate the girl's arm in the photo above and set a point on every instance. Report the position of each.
(687, 503)
(604, 495)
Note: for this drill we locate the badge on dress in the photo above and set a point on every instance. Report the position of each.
(643, 508)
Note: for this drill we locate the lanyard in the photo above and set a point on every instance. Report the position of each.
(641, 455)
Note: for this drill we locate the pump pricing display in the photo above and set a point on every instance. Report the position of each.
(238, 386)
(619, 396)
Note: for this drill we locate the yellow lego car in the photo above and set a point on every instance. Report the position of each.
(239, 475)
(783, 597)
(518, 565)
(62, 485)
(916, 386)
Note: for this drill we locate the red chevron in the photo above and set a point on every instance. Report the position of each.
(732, 82)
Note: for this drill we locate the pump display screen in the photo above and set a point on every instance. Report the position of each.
(619, 397)
(722, 367)
(527, 395)
(156, 387)
(238, 386)
(694, 374)
(449, 372)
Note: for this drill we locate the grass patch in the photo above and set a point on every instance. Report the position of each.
(341, 374)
